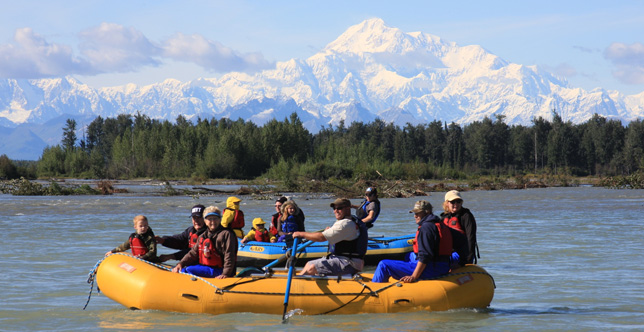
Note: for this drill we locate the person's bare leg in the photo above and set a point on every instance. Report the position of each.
(309, 269)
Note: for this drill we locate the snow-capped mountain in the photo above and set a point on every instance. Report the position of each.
(369, 71)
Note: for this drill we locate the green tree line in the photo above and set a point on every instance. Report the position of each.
(135, 146)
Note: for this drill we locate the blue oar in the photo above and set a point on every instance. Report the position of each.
(291, 270)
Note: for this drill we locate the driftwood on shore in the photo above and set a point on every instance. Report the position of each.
(213, 190)
(267, 189)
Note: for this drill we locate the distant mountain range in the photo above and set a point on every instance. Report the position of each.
(370, 71)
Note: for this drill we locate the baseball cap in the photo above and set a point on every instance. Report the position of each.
(197, 210)
(340, 203)
(421, 206)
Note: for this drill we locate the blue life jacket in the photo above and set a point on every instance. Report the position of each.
(362, 213)
(289, 225)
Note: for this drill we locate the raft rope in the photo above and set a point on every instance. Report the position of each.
(90, 280)
(357, 278)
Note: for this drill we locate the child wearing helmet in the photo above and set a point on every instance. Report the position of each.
(259, 232)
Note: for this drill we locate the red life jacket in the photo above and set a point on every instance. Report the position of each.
(262, 236)
(273, 228)
(193, 238)
(454, 223)
(445, 244)
(207, 253)
(137, 245)
(238, 219)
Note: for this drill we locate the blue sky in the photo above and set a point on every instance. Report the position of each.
(108, 43)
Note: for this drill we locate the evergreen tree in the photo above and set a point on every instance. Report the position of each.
(561, 143)
(69, 134)
(455, 146)
(521, 147)
(541, 129)
(434, 143)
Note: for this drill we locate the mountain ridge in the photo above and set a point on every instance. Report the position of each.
(371, 70)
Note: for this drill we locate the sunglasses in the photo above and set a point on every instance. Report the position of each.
(456, 201)
(338, 208)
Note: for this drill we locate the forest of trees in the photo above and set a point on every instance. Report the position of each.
(135, 146)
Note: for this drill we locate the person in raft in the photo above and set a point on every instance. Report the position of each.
(185, 240)
(347, 238)
(233, 217)
(276, 216)
(142, 241)
(291, 220)
(437, 248)
(462, 220)
(259, 232)
(369, 209)
(215, 253)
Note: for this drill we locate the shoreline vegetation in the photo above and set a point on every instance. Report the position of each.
(268, 189)
(188, 156)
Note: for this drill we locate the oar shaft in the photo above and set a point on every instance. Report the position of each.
(291, 269)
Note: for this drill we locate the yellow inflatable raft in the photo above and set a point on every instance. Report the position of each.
(138, 284)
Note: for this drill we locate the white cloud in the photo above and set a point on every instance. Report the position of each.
(113, 48)
(628, 60)
(31, 56)
(210, 54)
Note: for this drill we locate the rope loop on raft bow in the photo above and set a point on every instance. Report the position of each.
(90, 280)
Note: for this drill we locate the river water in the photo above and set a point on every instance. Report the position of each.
(563, 259)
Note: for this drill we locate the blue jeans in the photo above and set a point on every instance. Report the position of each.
(398, 269)
(202, 270)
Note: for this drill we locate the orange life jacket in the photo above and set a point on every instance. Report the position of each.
(137, 245)
(262, 236)
(208, 255)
